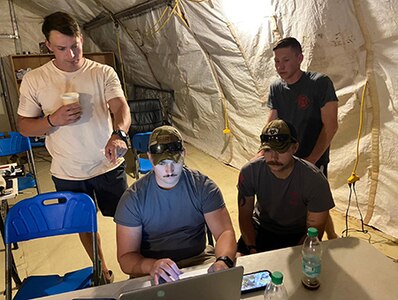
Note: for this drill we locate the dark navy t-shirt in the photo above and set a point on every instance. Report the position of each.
(300, 104)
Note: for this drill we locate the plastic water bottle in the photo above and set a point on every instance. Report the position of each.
(311, 259)
(275, 290)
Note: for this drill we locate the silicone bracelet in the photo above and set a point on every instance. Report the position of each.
(49, 122)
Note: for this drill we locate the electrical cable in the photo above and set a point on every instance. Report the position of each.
(152, 31)
(168, 18)
(148, 32)
(226, 129)
(354, 177)
(347, 229)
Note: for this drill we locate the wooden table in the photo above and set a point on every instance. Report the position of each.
(351, 269)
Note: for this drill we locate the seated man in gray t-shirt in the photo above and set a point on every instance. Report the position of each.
(280, 195)
(161, 218)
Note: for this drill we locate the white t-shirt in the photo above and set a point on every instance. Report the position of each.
(78, 149)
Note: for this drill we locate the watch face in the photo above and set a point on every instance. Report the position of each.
(122, 133)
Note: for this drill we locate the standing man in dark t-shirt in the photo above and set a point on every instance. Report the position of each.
(308, 101)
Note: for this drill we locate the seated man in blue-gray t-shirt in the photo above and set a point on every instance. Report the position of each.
(161, 218)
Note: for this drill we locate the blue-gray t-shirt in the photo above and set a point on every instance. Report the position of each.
(172, 221)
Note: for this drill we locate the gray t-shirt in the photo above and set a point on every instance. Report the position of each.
(172, 221)
(282, 204)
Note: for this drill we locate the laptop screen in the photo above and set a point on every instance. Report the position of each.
(221, 285)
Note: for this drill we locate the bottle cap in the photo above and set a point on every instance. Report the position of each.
(312, 232)
(277, 277)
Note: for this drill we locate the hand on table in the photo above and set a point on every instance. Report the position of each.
(217, 266)
(165, 269)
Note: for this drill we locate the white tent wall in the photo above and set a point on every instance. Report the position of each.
(217, 58)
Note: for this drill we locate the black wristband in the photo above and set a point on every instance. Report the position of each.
(229, 262)
(49, 122)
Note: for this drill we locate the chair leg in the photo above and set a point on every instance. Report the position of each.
(4, 210)
(136, 165)
(14, 274)
(98, 276)
(13, 270)
(32, 167)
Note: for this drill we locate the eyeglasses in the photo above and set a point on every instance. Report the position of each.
(279, 138)
(171, 147)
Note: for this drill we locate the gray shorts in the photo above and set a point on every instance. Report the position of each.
(206, 257)
(105, 189)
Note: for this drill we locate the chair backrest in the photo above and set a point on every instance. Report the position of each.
(146, 115)
(50, 214)
(141, 141)
(13, 143)
(45, 215)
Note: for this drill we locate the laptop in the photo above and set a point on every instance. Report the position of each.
(221, 285)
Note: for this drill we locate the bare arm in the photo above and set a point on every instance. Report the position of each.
(220, 225)
(121, 113)
(121, 120)
(246, 207)
(131, 261)
(33, 126)
(317, 220)
(330, 125)
(65, 115)
(272, 115)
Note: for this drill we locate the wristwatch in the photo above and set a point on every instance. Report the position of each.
(226, 260)
(123, 135)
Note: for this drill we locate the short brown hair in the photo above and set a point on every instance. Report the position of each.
(289, 42)
(61, 22)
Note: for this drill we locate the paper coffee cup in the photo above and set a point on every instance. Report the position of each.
(69, 98)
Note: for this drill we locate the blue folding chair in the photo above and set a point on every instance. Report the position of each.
(146, 115)
(140, 147)
(13, 143)
(45, 215)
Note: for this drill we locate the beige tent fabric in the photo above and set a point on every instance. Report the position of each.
(217, 57)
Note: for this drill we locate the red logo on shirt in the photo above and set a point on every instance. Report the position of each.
(303, 102)
(293, 198)
(241, 179)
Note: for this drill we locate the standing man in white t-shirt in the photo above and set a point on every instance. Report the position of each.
(86, 144)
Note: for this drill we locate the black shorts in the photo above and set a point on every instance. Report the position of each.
(105, 189)
(266, 241)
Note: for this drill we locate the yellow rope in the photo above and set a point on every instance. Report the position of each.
(148, 32)
(353, 178)
(168, 18)
(152, 31)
